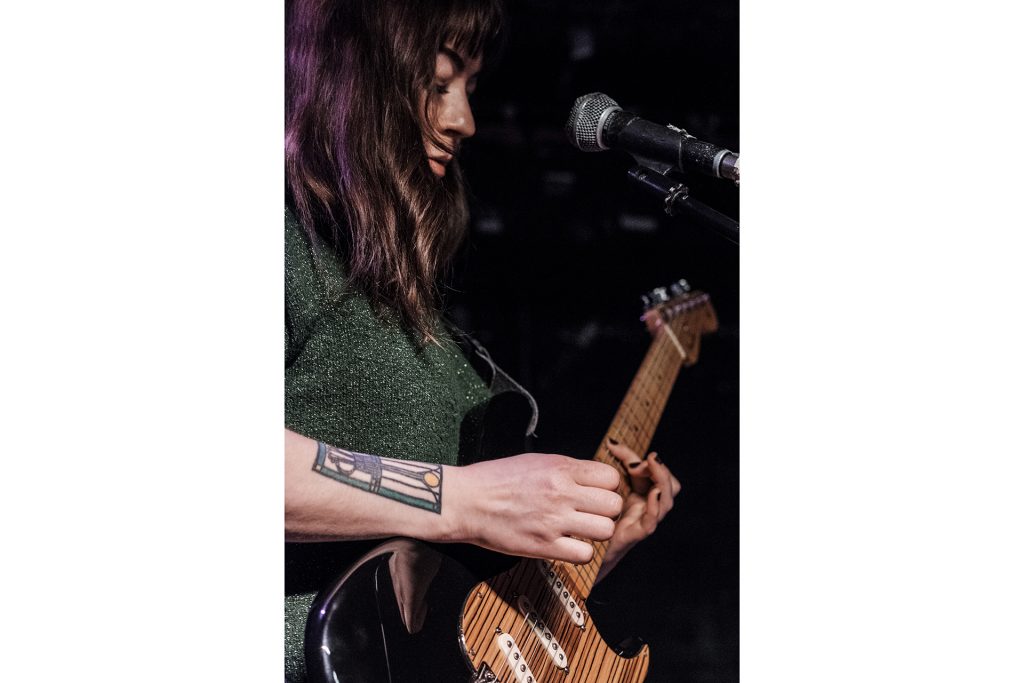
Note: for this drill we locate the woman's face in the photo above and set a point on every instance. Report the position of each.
(448, 110)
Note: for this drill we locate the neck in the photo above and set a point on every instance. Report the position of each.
(633, 426)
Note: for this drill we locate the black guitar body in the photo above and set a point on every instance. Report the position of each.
(396, 616)
(356, 631)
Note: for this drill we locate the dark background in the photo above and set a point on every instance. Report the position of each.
(562, 247)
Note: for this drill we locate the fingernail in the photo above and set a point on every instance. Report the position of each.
(634, 465)
(613, 441)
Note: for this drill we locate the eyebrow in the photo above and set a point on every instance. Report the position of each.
(455, 57)
(457, 60)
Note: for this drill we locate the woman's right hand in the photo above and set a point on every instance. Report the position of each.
(533, 505)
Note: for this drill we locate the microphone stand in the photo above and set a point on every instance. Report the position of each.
(678, 202)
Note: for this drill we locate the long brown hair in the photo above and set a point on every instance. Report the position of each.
(355, 165)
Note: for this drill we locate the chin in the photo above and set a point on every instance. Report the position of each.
(437, 168)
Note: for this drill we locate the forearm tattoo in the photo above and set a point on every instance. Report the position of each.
(413, 483)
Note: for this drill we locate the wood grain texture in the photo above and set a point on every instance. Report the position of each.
(492, 607)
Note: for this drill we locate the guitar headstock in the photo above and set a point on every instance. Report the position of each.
(684, 314)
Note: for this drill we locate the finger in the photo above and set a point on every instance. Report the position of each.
(571, 550)
(633, 513)
(649, 520)
(623, 453)
(662, 481)
(594, 473)
(633, 463)
(659, 472)
(589, 527)
(630, 527)
(658, 466)
(599, 502)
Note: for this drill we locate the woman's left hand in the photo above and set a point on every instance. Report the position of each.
(654, 491)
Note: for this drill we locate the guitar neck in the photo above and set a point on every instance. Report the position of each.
(677, 331)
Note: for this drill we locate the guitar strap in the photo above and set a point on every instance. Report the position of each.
(499, 382)
(511, 415)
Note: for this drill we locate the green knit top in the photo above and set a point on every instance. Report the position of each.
(355, 380)
(365, 384)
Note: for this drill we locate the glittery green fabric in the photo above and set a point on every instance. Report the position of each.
(355, 381)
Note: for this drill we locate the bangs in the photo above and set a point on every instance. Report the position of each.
(475, 28)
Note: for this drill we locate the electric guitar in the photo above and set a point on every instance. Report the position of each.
(410, 612)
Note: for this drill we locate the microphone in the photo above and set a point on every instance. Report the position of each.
(597, 122)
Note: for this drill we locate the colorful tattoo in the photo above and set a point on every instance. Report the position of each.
(413, 483)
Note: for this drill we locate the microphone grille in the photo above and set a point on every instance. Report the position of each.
(583, 126)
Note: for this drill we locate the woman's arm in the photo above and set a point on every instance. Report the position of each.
(532, 505)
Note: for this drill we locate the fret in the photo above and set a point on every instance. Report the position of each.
(676, 326)
(536, 598)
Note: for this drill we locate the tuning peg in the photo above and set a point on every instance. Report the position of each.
(679, 287)
(654, 297)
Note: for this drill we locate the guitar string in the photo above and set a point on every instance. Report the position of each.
(630, 415)
(658, 392)
(571, 642)
(513, 581)
(483, 626)
(559, 622)
(627, 415)
(518, 640)
(629, 412)
(641, 390)
(620, 425)
(529, 644)
(633, 420)
(625, 412)
(654, 387)
(496, 614)
(524, 628)
(647, 420)
(590, 574)
(536, 650)
(620, 430)
(531, 653)
(556, 620)
(532, 647)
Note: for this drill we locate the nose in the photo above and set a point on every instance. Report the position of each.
(457, 117)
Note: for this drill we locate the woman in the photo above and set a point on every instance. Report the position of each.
(381, 405)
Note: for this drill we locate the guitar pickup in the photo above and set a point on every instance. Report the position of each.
(543, 633)
(568, 601)
(507, 645)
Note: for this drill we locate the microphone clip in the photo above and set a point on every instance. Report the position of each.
(677, 201)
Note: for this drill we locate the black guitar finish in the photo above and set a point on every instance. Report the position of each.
(356, 633)
(396, 615)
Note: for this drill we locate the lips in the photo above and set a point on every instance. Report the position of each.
(439, 165)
